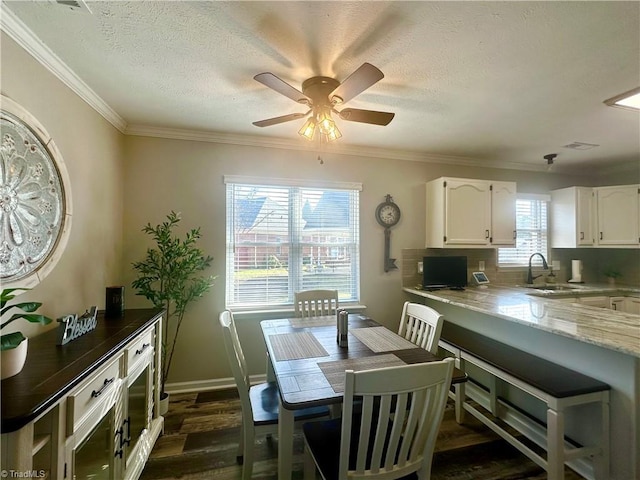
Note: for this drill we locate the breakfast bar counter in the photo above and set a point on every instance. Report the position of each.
(554, 325)
(606, 328)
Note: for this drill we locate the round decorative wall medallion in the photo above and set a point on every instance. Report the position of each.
(35, 203)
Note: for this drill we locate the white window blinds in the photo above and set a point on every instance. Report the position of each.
(286, 238)
(531, 229)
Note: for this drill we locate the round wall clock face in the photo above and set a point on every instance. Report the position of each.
(388, 214)
(34, 206)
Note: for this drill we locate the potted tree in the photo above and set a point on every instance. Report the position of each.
(170, 277)
(14, 345)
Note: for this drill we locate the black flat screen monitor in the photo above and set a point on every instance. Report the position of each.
(444, 272)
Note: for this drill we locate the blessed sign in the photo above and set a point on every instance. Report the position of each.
(72, 326)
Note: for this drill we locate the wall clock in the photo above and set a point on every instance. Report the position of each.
(388, 215)
(35, 203)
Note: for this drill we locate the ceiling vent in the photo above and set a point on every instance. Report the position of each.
(75, 5)
(580, 146)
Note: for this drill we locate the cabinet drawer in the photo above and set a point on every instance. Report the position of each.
(97, 391)
(138, 349)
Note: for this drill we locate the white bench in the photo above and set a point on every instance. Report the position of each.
(559, 387)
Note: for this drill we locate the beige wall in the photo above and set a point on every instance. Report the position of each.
(120, 183)
(92, 150)
(163, 175)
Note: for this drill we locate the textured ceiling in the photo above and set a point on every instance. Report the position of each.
(492, 82)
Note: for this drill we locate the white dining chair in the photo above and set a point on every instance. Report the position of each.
(313, 303)
(259, 402)
(392, 430)
(421, 325)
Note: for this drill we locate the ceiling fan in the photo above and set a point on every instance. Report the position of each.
(322, 95)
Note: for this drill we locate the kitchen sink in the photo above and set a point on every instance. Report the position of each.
(555, 288)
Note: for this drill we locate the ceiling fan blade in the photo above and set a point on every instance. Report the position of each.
(280, 86)
(274, 121)
(357, 82)
(366, 116)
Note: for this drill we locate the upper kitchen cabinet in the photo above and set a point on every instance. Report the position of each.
(468, 213)
(572, 217)
(503, 214)
(618, 216)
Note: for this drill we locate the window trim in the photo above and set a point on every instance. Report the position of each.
(353, 187)
(543, 197)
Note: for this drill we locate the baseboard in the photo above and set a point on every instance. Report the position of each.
(208, 385)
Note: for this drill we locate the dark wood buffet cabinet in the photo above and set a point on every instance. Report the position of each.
(87, 409)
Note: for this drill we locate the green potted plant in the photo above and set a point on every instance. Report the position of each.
(14, 345)
(612, 273)
(170, 277)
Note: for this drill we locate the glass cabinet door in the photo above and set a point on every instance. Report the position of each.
(137, 410)
(94, 457)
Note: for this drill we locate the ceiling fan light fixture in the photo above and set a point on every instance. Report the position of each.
(333, 134)
(324, 120)
(308, 130)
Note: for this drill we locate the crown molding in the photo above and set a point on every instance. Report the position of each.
(339, 149)
(23, 36)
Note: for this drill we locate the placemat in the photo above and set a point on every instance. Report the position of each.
(294, 346)
(312, 322)
(381, 339)
(334, 370)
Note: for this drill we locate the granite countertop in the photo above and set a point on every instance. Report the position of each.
(599, 326)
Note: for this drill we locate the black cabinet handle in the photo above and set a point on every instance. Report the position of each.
(600, 235)
(144, 347)
(581, 235)
(486, 234)
(107, 382)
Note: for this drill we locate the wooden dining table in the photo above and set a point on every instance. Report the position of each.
(309, 366)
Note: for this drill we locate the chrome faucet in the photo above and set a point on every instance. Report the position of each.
(530, 277)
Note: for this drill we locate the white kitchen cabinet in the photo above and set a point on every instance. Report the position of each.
(632, 305)
(617, 303)
(618, 216)
(599, 301)
(459, 213)
(503, 213)
(572, 217)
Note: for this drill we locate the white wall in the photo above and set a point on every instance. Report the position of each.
(92, 150)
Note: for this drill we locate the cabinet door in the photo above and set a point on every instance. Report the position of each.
(584, 216)
(602, 302)
(503, 213)
(618, 215)
(632, 305)
(467, 212)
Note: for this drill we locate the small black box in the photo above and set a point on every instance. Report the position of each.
(114, 302)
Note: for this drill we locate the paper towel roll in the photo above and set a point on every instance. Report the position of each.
(576, 271)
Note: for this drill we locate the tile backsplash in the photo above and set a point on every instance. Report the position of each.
(595, 261)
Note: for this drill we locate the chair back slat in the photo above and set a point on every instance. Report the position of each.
(421, 325)
(314, 303)
(401, 412)
(236, 358)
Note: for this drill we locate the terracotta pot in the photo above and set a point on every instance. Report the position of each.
(13, 359)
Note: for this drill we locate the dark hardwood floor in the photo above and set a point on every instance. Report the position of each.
(201, 438)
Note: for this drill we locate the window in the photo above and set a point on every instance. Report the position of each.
(531, 228)
(284, 236)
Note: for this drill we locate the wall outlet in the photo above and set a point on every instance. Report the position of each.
(555, 265)
(419, 267)
(481, 266)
